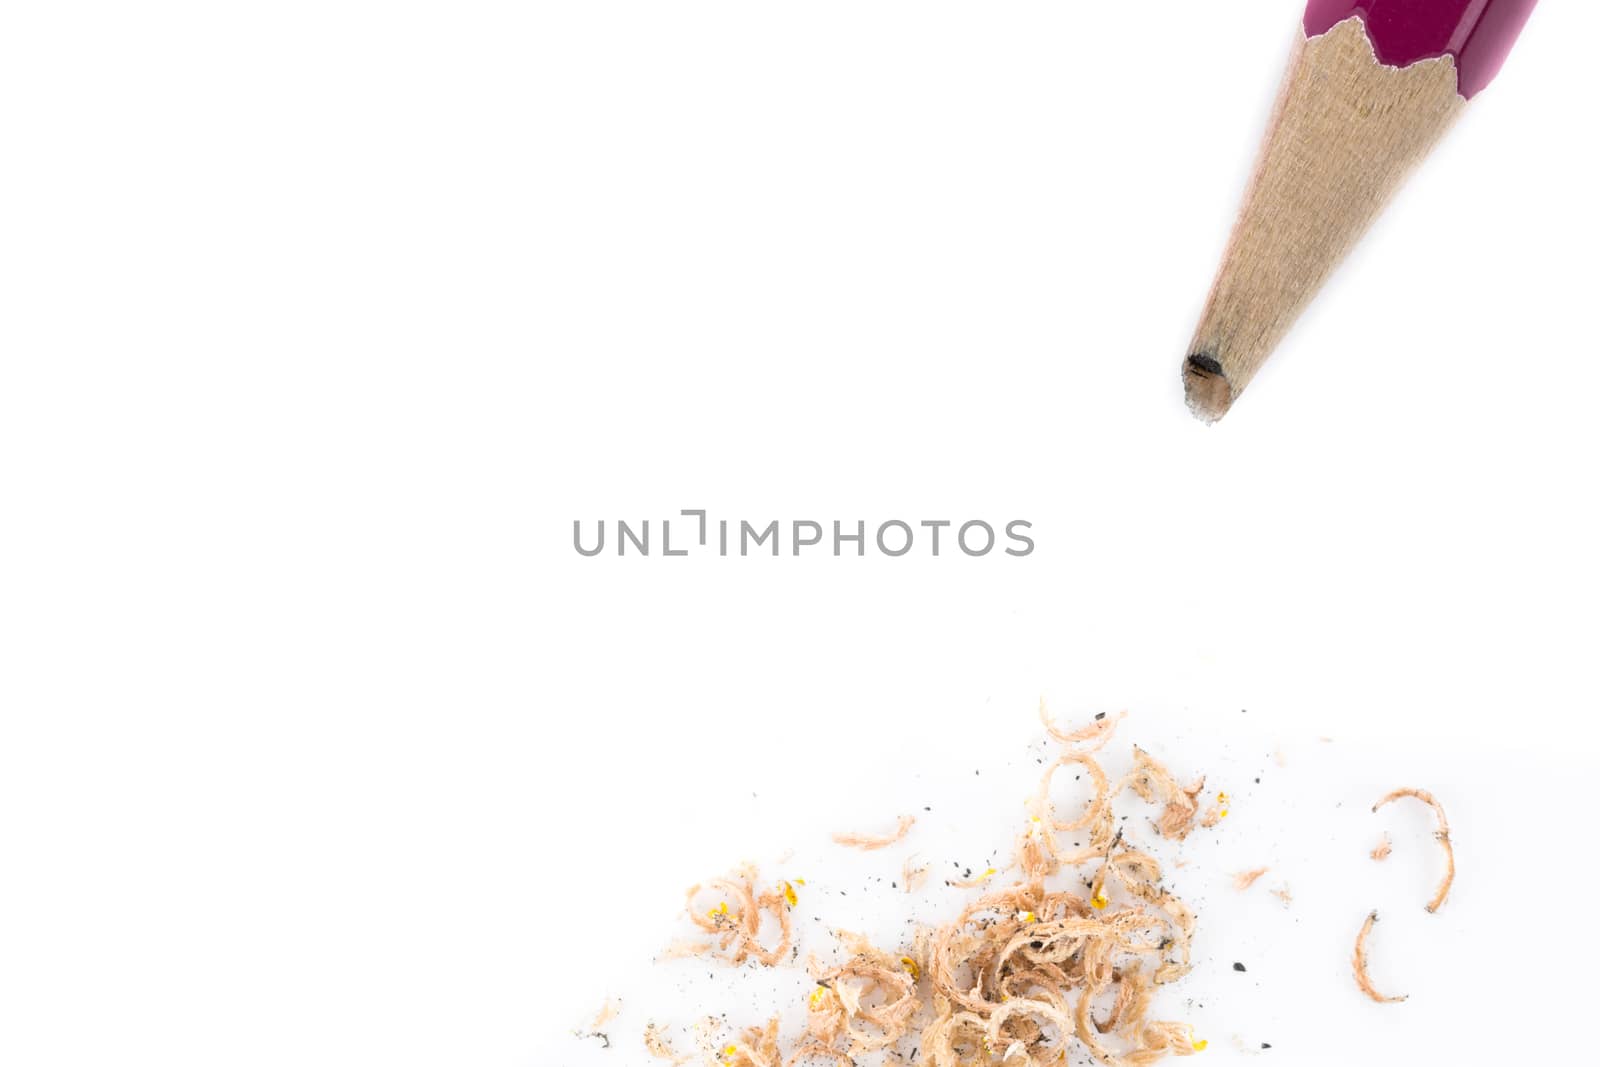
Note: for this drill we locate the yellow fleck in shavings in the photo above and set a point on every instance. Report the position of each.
(1099, 901)
(911, 967)
(968, 883)
(789, 894)
(1200, 1045)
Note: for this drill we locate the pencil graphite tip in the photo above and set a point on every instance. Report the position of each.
(1206, 387)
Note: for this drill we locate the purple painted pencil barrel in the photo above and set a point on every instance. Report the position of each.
(1478, 34)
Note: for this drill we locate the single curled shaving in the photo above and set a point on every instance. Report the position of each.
(1442, 835)
(1359, 961)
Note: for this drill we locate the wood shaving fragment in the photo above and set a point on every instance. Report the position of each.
(607, 1012)
(1442, 835)
(872, 842)
(1283, 894)
(1245, 879)
(682, 948)
(913, 874)
(1359, 961)
(1381, 851)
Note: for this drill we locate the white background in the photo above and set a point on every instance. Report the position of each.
(321, 323)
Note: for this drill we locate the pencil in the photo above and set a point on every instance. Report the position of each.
(1371, 87)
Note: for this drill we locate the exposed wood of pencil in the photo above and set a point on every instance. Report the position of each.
(1344, 135)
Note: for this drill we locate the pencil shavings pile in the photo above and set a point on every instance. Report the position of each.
(1022, 973)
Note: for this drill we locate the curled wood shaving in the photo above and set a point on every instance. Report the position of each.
(1085, 739)
(1153, 782)
(868, 1003)
(872, 842)
(1245, 879)
(1442, 835)
(1381, 851)
(1030, 1041)
(1038, 852)
(1359, 961)
(735, 918)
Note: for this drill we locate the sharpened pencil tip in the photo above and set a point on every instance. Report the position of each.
(1205, 387)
